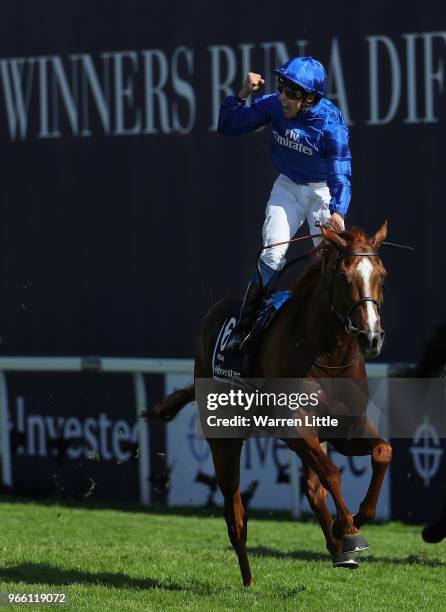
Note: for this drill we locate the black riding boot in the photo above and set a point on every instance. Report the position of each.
(251, 303)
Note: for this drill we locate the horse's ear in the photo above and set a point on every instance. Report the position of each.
(333, 238)
(380, 236)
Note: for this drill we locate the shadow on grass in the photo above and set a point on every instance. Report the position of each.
(307, 555)
(299, 555)
(41, 573)
(33, 573)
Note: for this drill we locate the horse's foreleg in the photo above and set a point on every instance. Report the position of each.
(313, 457)
(381, 456)
(226, 456)
(317, 498)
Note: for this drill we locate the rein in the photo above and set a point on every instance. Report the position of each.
(290, 263)
(313, 251)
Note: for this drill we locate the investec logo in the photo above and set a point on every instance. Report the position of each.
(291, 140)
(84, 438)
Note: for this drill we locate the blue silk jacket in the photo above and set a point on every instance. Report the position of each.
(311, 148)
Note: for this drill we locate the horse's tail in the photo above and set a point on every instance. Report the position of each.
(172, 404)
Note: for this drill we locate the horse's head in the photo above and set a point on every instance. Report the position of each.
(356, 285)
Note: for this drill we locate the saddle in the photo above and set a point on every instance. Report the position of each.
(235, 365)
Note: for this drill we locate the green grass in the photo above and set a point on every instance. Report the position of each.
(126, 559)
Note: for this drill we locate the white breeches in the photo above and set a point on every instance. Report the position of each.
(288, 207)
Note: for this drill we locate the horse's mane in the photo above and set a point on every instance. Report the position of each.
(314, 273)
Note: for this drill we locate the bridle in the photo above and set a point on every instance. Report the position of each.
(346, 319)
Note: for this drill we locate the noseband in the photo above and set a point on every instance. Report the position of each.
(346, 320)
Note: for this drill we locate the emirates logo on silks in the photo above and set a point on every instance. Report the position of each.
(295, 135)
(292, 140)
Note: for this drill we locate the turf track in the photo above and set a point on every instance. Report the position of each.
(125, 559)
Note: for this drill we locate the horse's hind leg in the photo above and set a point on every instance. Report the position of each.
(226, 456)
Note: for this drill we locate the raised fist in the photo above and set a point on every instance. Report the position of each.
(253, 82)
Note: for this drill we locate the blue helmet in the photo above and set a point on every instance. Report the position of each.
(306, 72)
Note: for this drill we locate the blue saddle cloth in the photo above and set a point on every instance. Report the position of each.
(234, 365)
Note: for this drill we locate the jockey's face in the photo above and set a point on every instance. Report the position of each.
(293, 99)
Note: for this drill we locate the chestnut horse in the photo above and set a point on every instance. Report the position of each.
(330, 323)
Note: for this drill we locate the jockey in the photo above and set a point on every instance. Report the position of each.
(309, 149)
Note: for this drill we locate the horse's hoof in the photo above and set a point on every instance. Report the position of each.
(433, 533)
(344, 560)
(354, 543)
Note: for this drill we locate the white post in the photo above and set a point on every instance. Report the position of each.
(295, 484)
(143, 455)
(4, 434)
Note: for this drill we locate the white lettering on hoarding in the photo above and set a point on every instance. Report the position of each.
(151, 91)
(92, 436)
(336, 89)
(393, 87)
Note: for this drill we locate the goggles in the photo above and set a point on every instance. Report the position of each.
(291, 90)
